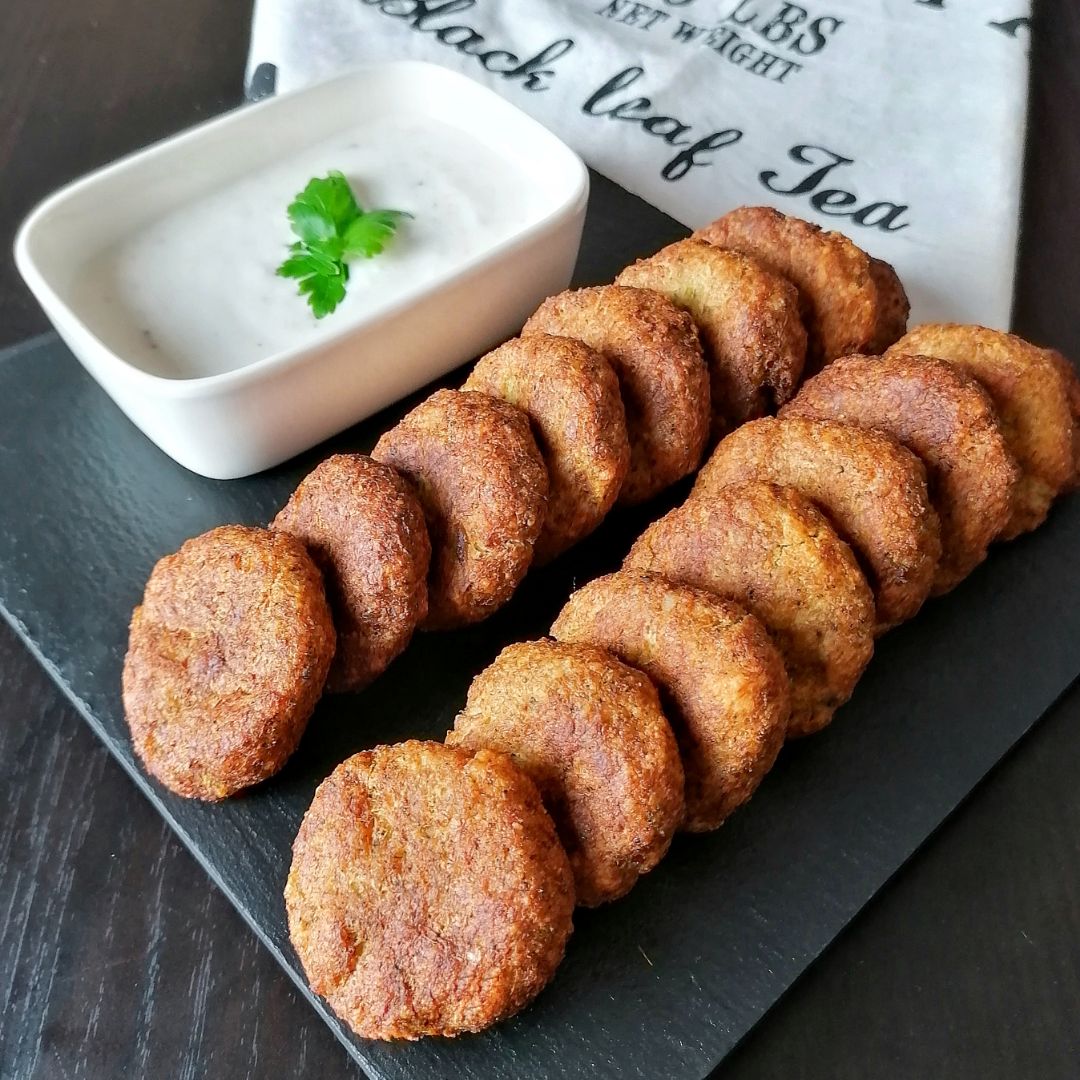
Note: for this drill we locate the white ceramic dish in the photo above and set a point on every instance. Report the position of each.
(226, 419)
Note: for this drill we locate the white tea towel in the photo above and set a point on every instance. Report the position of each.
(898, 122)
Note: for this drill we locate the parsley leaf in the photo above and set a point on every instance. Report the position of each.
(325, 291)
(323, 209)
(306, 260)
(333, 228)
(369, 234)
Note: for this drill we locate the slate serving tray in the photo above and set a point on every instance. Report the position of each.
(667, 981)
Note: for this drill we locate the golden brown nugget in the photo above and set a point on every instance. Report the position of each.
(571, 395)
(1031, 402)
(872, 489)
(428, 894)
(483, 486)
(726, 689)
(838, 282)
(748, 318)
(769, 549)
(656, 353)
(591, 734)
(1072, 393)
(363, 525)
(226, 658)
(893, 306)
(946, 418)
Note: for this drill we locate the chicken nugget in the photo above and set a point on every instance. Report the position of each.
(483, 487)
(722, 681)
(768, 548)
(1032, 404)
(850, 302)
(363, 525)
(428, 893)
(872, 489)
(590, 733)
(571, 396)
(944, 416)
(226, 658)
(656, 353)
(748, 317)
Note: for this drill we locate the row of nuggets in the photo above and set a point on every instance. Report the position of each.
(433, 885)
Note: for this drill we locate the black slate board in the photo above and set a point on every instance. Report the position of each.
(667, 981)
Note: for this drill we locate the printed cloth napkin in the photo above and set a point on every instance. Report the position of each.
(898, 122)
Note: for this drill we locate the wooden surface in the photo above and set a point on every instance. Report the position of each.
(117, 956)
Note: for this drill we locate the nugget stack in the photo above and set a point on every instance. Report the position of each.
(432, 885)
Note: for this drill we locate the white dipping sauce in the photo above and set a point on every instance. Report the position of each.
(195, 293)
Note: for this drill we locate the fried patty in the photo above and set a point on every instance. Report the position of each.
(850, 302)
(656, 353)
(571, 395)
(591, 734)
(428, 894)
(768, 548)
(363, 525)
(872, 489)
(945, 417)
(722, 681)
(1032, 404)
(227, 656)
(483, 486)
(748, 318)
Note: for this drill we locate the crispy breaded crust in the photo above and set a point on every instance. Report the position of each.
(227, 656)
(834, 277)
(872, 489)
(428, 894)
(590, 733)
(571, 396)
(944, 416)
(769, 549)
(656, 353)
(1072, 393)
(726, 689)
(483, 486)
(893, 307)
(363, 525)
(1032, 404)
(748, 318)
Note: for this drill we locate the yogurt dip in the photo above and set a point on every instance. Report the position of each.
(194, 293)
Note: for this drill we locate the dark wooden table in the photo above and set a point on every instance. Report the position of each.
(117, 955)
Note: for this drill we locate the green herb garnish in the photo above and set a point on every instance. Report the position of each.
(333, 229)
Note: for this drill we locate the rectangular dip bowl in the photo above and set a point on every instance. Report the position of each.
(158, 270)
